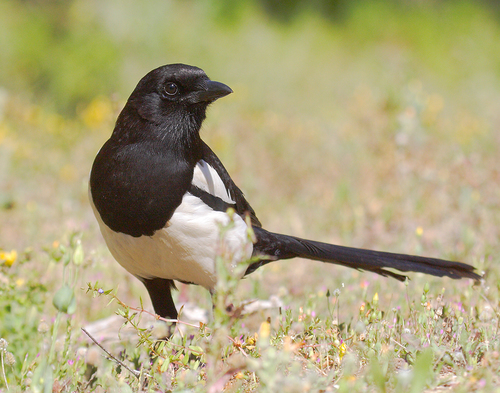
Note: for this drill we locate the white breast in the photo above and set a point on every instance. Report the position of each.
(186, 248)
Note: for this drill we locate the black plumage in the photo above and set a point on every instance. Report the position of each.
(159, 193)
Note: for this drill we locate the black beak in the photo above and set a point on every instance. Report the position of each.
(213, 90)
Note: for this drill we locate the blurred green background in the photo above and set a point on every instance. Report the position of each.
(62, 54)
(368, 123)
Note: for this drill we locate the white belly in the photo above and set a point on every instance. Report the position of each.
(185, 249)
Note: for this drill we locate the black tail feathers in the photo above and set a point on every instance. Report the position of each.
(279, 246)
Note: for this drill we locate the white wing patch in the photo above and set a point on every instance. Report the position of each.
(186, 248)
(206, 178)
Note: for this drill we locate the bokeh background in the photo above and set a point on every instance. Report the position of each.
(370, 123)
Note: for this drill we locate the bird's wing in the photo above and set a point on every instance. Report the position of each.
(236, 198)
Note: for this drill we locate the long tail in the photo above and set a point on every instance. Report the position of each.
(279, 246)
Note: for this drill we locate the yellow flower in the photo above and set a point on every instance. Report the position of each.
(342, 350)
(8, 258)
(98, 112)
(265, 330)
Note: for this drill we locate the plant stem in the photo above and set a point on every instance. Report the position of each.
(54, 337)
(3, 371)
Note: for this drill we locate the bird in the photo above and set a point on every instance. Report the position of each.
(160, 195)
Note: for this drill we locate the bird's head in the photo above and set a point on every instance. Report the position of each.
(173, 90)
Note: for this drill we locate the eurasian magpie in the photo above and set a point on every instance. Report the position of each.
(160, 195)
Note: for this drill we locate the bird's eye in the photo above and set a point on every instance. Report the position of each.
(170, 89)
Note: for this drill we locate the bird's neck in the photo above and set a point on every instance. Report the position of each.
(178, 134)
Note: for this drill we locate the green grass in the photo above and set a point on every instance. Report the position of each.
(378, 131)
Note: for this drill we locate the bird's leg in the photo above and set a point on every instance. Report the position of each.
(160, 292)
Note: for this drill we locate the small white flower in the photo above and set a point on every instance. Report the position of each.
(3, 344)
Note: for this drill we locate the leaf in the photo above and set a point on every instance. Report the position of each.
(196, 349)
(164, 365)
(422, 371)
(42, 379)
(377, 373)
